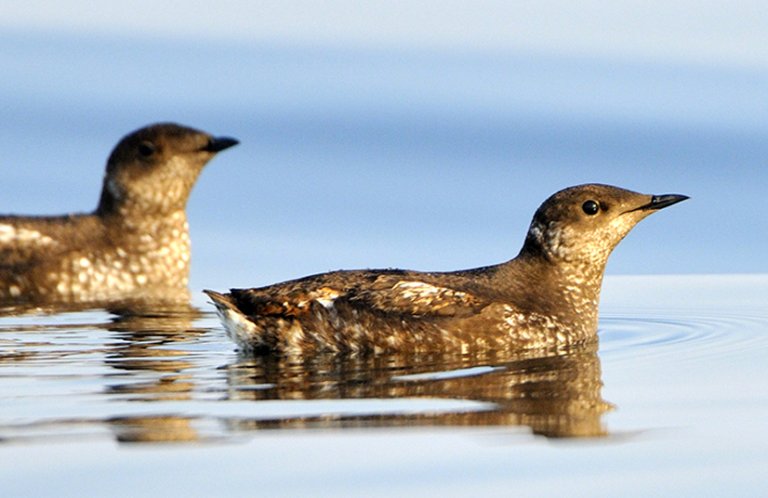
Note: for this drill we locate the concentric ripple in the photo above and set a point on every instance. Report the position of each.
(684, 334)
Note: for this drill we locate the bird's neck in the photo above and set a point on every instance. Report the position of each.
(568, 290)
(161, 243)
(147, 228)
(136, 207)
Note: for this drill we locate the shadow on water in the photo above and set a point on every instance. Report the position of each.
(158, 377)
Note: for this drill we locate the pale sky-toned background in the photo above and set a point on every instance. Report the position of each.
(405, 134)
(721, 32)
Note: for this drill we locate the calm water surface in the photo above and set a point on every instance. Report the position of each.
(416, 158)
(674, 401)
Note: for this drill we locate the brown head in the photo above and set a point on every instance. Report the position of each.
(153, 169)
(581, 225)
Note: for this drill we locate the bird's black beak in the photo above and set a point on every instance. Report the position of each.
(217, 144)
(661, 201)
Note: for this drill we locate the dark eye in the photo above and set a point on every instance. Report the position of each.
(591, 207)
(146, 149)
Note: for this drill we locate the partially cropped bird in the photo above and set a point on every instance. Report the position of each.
(134, 245)
(545, 297)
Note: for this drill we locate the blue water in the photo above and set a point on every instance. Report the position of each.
(420, 158)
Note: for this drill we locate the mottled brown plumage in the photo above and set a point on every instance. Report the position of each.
(545, 297)
(134, 245)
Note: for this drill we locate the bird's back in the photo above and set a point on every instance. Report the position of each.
(36, 252)
(378, 310)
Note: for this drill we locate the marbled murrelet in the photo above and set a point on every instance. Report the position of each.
(547, 296)
(135, 245)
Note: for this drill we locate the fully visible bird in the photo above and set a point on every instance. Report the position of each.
(134, 246)
(545, 297)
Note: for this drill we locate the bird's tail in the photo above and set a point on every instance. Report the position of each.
(222, 301)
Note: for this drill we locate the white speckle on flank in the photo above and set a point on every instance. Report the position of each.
(84, 262)
(14, 291)
(326, 296)
(241, 330)
(141, 279)
(9, 233)
(429, 297)
(513, 318)
(410, 290)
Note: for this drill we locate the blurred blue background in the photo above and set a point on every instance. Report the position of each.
(401, 134)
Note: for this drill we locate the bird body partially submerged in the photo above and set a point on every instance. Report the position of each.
(545, 297)
(135, 245)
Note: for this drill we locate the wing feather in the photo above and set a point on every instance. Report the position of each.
(386, 292)
(417, 297)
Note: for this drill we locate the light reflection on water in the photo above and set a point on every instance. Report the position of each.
(175, 377)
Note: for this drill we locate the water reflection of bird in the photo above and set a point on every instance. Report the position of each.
(142, 337)
(555, 396)
(149, 350)
(134, 245)
(547, 296)
(154, 429)
(153, 365)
